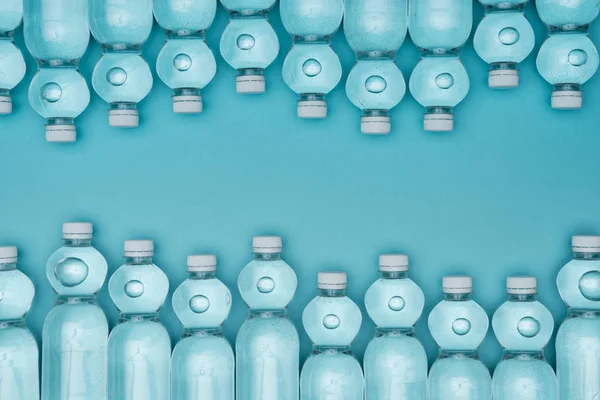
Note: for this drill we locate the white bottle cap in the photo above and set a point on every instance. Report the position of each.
(332, 280)
(5, 105)
(566, 99)
(457, 284)
(266, 244)
(375, 125)
(77, 230)
(521, 285)
(202, 263)
(250, 84)
(187, 104)
(8, 254)
(312, 109)
(61, 133)
(123, 118)
(393, 263)
(586, 244)
(139, 248)
(503, 78)
(438, 122)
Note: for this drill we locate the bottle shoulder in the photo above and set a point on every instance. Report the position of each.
(74, 271)
(186, 63)
(249, 43)
(267, 285)
(59, 93)
(504, 37)
(439, 82)
(138, 289)
(202, 303)
(375, 84)
(579, 284)
(12, 65)
(122, 77)
(333, 321)
(394, 303)
(312, 68)
(567, 58)
(458, 325)
(523, 326)
(16, 294)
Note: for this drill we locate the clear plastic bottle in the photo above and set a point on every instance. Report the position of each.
(503, 39)
(75, 333)
(395, 361)
(523, 326)
(202, 365)
(458, 325)
(249, 44)
(57, 34)
(578, 338)
(375, 29)
(439, 28)
(12, 63)
(332, 321)
(186, 64)
(122, 77)
(568, 58)
(267, 346)
(139, 347)
(19, 379)
(311, 68)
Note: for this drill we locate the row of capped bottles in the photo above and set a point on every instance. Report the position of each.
(57, 35)
(80, 360)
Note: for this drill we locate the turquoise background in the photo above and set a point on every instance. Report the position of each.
(500, 195)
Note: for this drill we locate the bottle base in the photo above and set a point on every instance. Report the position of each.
(187, 104)
(250, 84)
(61, 133)
(567, 99)
(312, 109)
(6, 105)
(123, 118)
(443, 122)
(503, 79)
(376, 125)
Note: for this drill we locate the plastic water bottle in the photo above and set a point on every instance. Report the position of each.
(578, 338)
(523, 326)
(332, 321)
(12, 63)
(122, 77)
(139, 347)
(503, 39)
(249, 44)
(312, 69)
(568, 58)
(57, 34)
(75, 331)
(19, 378)
(375, 29)
(267, 345)
(395, 361)
(439, 28)
(458, 325)
(202, 366)
(185, 63)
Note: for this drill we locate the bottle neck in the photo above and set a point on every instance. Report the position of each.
(331, 350)
(138, 260)
(8, 266)
(332, 292)
(457, 296)
(77, 242)
(586, 256)
(267, 256)
(521, 297)
(311, 39)
(523, 355)
(202, 275)
(394, 275)
(203, 332)
(394, 332)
